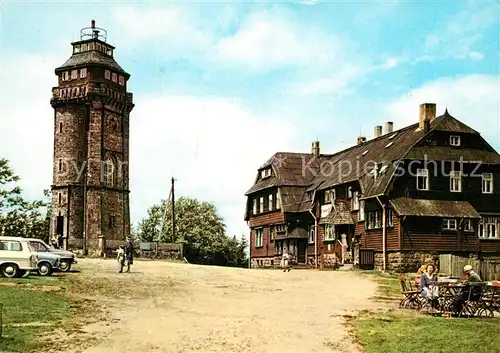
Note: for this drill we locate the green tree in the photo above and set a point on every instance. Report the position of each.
(18, 216)
(198, 226)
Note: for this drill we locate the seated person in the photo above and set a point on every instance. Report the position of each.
(463, 295)
(427, 277)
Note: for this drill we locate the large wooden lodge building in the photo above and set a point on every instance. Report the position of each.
(401, 199)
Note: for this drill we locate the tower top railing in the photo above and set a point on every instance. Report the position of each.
(93, 32)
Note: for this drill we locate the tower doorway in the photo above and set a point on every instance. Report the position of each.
(60, 225)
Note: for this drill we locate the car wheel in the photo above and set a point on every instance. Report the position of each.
(65, 266)
(9, 270)
(44, 269)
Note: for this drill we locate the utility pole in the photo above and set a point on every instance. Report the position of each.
(173, 211)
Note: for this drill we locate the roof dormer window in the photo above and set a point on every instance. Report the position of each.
(115, 77)
(265, 173)
(364, 153)
(389, 144)
(121, 80)
(393, 136)
(76, 49)
(84, 47)
(109, 51)
(454, 140)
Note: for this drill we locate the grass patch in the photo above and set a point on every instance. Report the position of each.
(408, 331)
(30, 307)
(404, 332)
(389, 286)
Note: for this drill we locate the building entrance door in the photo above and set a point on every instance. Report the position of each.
(301, 251)
(60, 225)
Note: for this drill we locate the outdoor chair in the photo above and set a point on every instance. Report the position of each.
(490, 301)
(474, 303)
(411, 297)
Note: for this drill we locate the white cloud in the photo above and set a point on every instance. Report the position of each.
(270, 39)
(458, 36)
(213, 146)
(472, 99)
(26, 117)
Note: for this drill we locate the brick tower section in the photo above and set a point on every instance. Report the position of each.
(90, 190)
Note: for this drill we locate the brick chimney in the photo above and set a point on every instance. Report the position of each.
(388, 127)
(315, 148)
(378, 130)
(361, 139)
(427, 114)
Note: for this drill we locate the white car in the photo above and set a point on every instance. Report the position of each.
(16, 257)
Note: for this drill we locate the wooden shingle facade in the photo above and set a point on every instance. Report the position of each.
(406, 196)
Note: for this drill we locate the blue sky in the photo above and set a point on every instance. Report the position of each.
(219, 87)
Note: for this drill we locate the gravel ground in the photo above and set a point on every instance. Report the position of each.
(171, 307)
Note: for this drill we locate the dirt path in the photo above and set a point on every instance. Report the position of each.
(167, 307)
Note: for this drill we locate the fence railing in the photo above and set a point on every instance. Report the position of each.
(453, 265)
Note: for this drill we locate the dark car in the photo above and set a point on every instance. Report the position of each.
(68, 258)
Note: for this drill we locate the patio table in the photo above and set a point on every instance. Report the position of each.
(446, 292)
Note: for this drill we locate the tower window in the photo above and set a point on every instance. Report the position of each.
(108, 172)
(109, 51)
(60, 165)
(122, 80)
(107, 74)
(83, 73)
(115, 77)
(60, 198)
(77, 49)
(112, 222)
(60, 127)
(74, 74)
(84, 47)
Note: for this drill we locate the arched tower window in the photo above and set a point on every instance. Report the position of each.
(109, 172)
(60, 127)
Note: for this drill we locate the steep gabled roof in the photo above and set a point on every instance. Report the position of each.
(357, 163)
(288, 170)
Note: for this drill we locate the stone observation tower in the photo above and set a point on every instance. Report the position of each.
(90, 189)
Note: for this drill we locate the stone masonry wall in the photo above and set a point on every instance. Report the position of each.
(404, 262)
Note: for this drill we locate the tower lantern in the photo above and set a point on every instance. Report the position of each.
(90, 188)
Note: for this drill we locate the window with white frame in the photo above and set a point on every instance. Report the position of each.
(107, 74)
(468, 225)
(114, 77)
(455, 181)
(355, 200)
(422, 179)
(84, 47)
(374, 219)
(454, 140)
(361, 210)
(261, 204)
(311, 234)
(258, 238)
(329, 196)
(65, 76)
(254, 206)
(349, 192)
(278, 203)
(121, 80)
(449, 224)
(487, 182)
(329, 232)
(83, 73)
(74, 74)
(488, 227)
(388, 218)
(270, 203)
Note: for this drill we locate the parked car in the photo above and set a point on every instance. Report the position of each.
(16, 257)
(46, 262)
(68, 258)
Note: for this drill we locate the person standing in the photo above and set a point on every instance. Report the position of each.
(285, 261)
(129, 253)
